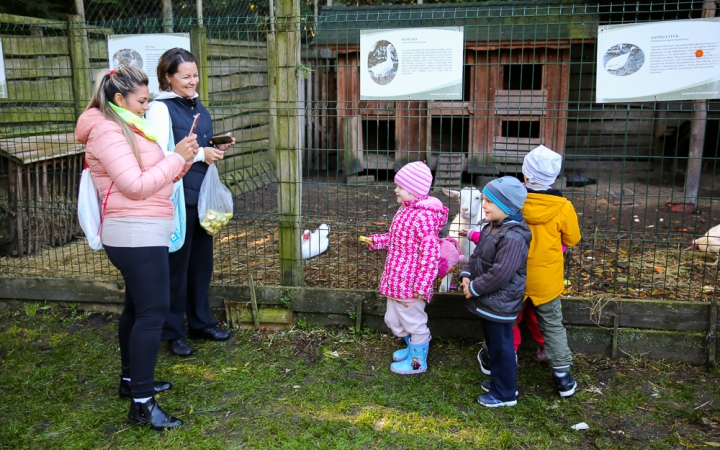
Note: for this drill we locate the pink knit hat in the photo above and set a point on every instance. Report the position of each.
(415, 178)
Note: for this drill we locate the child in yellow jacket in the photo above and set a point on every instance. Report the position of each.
(554, 224)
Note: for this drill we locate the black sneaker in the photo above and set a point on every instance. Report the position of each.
(566, 384)
(483, 358)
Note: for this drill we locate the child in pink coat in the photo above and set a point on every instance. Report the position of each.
(411, 265)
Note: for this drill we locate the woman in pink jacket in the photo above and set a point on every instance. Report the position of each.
(134, 179)
(411, 265)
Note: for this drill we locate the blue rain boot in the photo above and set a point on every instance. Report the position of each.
(416, 361)
(401, 355)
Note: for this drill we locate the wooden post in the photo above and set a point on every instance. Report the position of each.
(167, 16)
(352, 139)
(697, 134)
(80, 60)
(253, 301)
(712, 333)
(283, 59)
(615, 333)
(198, 45)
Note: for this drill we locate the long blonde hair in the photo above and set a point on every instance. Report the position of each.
(123, 81)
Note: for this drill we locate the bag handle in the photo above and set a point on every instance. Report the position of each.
(104, 205)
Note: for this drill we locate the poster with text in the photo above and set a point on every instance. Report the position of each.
(3, 77)
(412, 64)
(658, 61)
(144, 51)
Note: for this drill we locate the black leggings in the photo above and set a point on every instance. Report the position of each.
(147, 301)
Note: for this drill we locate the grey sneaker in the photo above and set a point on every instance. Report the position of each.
(566, 384)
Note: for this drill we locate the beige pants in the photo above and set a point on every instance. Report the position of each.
(407, 318)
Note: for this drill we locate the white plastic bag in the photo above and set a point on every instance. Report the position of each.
(89, 211)
(215, 205)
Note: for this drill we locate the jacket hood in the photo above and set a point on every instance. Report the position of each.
(540, 208)
(164, 95)
(86, 123)
(438, 213)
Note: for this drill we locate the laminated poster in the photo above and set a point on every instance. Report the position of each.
(3, 77)
(658, 61)
(412, 64)
(144, 51)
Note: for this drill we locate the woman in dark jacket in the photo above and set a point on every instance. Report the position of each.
(192, 265)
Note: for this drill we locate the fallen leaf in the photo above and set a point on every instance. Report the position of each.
(659, 270)
(712, 444)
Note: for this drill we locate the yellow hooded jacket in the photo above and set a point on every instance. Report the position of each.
(554, 223)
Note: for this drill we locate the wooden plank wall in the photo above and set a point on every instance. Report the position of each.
(319, 122)
(238, 104)
(39, 74)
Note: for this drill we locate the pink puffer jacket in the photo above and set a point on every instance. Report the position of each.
(135, 192)
(411, 264)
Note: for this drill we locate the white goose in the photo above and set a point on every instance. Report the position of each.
(619, 62)
(384, 68)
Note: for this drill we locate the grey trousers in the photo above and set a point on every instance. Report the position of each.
(550, 318)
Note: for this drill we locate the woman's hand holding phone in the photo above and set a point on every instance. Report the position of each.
(187, 148)
(223, 142)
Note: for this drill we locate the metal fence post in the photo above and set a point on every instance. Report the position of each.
(80, 60)
(283, 60)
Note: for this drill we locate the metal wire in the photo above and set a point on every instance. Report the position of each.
(624, 164)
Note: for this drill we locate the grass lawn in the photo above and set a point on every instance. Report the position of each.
(329, 389)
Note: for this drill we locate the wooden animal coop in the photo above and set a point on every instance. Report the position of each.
(515, 94)
(39, 178)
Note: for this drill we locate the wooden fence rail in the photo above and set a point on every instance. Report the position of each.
(676, 331)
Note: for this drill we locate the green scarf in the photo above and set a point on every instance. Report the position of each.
(138, 122)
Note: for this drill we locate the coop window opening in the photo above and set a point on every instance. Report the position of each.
(520, 129)
(450, 134)
(467, 83)
(522, 77)
(379, 135)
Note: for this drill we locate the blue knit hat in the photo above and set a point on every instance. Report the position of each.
(507, 193)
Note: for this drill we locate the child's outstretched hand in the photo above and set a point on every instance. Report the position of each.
(368, 241)
(463, 233)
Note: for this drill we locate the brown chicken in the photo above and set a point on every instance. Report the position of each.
(709, 242)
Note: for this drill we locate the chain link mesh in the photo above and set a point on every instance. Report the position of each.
(625, 164)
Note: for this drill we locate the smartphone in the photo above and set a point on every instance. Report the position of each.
(365, 239)
(194, 124)
(221, 139)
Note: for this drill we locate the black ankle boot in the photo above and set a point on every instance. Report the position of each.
(151, 414)
(159, 386)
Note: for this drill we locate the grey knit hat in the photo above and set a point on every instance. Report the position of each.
(507, 193)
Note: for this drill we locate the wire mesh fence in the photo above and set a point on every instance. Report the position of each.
(529, 78)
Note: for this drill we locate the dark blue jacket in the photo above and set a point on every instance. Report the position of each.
(497, 270)
(181, 112)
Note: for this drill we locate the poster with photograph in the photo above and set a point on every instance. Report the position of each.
(144, 51)
(412, 64)
(658, 61)
(3, 77)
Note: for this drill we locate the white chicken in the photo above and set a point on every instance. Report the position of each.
(384, 68)
(619, 62)
(709, 242)
(312, 244)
